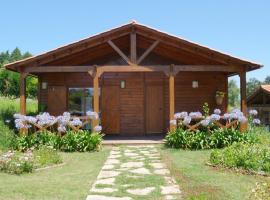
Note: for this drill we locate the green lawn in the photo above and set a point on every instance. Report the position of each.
(71, 181)
(199, 181)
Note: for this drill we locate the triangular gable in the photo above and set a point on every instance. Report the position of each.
(173, 43)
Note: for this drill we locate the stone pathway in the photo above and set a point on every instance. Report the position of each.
(134, 172)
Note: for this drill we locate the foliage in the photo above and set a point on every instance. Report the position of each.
(15, 162)
(9, 81)
(217, 138)
(251, 157)
(233, 94)
(7, 108)
(261, 191)
(206, 109)
(81, 141)
(254, 84)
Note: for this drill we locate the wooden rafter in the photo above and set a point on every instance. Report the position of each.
(125, 58)
(147, 51)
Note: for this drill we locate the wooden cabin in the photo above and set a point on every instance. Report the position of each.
(260, 101)
(134, 76)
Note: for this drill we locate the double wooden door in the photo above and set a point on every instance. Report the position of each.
(154, 109)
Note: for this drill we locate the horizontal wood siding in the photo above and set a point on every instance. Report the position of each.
(191, 99)
(132, 97)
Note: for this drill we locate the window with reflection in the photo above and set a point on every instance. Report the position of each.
(80, 100)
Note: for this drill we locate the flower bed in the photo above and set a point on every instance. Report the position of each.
(17, 163)
(197, 131)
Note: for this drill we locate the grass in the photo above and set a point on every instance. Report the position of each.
(199, 181)
(8, 107)
(70, 181)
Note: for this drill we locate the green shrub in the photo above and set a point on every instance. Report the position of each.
(72, 141)
(251, 157)
(217, 138)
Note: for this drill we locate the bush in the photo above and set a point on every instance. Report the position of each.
(15, 162)
(217, 138)
(72, 141)
(251, 157)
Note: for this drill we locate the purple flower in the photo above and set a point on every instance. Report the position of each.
(205, 122)
(215, 117)
(195, 114)
(61, 129)
(226, 116)
(253, 112)
(242, 119)
(76, 122)
(217, 111)
(92, 115)
(173, 122)
(97, 128)
(180, 115)
(256, 121)
(187, 120)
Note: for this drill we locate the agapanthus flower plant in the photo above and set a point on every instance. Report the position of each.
(212, 120)
(46, 121)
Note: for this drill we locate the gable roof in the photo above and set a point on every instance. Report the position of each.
(125, 29)
(261, 89)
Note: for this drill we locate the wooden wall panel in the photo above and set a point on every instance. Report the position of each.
(132, 97)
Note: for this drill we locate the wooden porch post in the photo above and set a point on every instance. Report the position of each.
(243, 102)
(96, 98)
(23, 93)
(171, 96)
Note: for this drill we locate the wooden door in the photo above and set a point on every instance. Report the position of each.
(110, 109)
(57, 100)
(154, 109)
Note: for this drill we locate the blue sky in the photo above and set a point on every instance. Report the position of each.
(241, 28)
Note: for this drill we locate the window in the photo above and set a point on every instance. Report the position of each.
(80, 100)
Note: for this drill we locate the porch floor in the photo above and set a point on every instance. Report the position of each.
(133, 140)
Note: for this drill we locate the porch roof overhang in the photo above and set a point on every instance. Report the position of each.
(218, 61)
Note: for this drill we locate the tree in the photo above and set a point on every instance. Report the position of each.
(234, 94)
(252, 85)
(9, 81)
(267, 80)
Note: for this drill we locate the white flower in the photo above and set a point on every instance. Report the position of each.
(195, 114)
(233, 116)
(235, 110)
(226, 116)
(205, 122)
(215, 117)
(256, 121)
(61, 129)
(18, 116)
(217, 111)
(187, 120)
(92, 115)
(253, 112)
(76, 122)
(180, 115)
(97, 128)
(173, 122)
(31, 119)
(242, 119)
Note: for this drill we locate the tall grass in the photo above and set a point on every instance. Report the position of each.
(8, 107)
